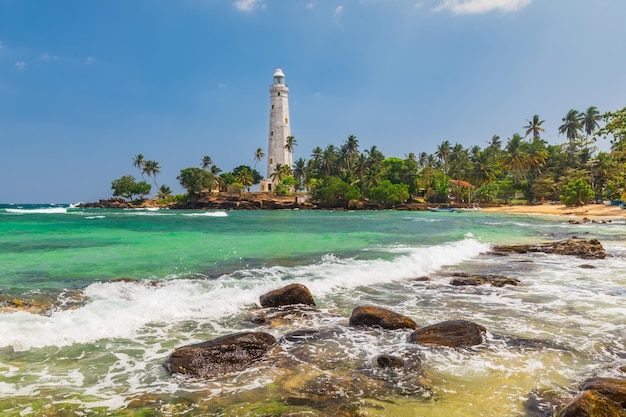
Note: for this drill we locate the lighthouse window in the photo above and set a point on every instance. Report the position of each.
(272, 107)
(286, 120)
(279, 93)
(271, 161)
(272, 133)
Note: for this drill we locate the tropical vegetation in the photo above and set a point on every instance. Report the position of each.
(522, 168)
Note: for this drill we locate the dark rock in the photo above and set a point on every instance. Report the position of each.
(592, 404)
(300, 336)
(454, 333)
(586, 266)
(615, 389)
(585, 249)
(377, 316)
(494, 280)
(421, 279)
(389, 361)
(289, 295)
(230, 353)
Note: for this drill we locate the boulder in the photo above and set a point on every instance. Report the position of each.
(592, 404)
(377, 316)
(585, 249)
(615, 389)
(453, 333)
(289, 295)
(389, 361)
(461, 278)
(230, 353)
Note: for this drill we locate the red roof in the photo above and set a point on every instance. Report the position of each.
(462, 183)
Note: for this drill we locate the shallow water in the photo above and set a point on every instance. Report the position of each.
(87, 345)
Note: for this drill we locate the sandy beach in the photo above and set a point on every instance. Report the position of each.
(591, 211)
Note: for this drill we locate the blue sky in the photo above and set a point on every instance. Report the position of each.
(87, 84)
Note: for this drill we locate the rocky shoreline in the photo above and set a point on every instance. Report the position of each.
(397, 372)
(254, 201)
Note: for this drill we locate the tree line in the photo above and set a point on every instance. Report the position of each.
(522, 168)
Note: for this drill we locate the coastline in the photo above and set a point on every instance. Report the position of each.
(263, 201)
(591, 211)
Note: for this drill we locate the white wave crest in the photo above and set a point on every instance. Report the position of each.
(126, 310)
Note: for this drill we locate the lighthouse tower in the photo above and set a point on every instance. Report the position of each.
(279, 129)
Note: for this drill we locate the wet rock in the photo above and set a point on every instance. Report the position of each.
(586, 266)
(377, 316)
(300, 336)
(543, 403)
(291, 315)
(289, 295)
(230, 353)
(421, 279)
(461, 278)
(615, 389)
(389, 361)
(585, 249)
(592, 404)
(453, 333)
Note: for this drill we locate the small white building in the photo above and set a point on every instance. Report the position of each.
(279, 129)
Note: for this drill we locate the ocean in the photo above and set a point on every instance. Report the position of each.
(77, 339)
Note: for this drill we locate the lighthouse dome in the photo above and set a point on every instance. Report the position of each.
(279, 73)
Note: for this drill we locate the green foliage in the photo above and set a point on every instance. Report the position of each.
(286, 185)
(126, 187)
(577, 193)
(331, 191)
(388, 194)
(256, 176)
(194, 180)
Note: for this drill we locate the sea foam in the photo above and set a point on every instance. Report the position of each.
(126, 309)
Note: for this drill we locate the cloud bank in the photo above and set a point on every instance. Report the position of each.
(481, 6)
(248, 5)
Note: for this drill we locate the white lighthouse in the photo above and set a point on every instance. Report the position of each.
(279, 129)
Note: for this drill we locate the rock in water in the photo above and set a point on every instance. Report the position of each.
(230, 353)
(289, 295)
(592, 404)
(377, 316)
(585, 249)
(615, 389)
(454, 333)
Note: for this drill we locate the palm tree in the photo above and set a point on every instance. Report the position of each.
(443, 153)
(164, 191)
(138, 162)
(534, 127)
(206, 162)
(300, 172)
(152, 169)
(590, 120)
(495, 143)
(280, 172)
(328, 160)
(290, 143)
(572, 125)
(352, 150)
(258, 155)
(537, 154)
(245, 178)
(515, 158)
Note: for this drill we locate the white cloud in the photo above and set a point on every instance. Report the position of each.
(47, 57)
(310, 5)
(90, 59)
(249, 5)
(338, 13)
(20, 65)
(481, 6)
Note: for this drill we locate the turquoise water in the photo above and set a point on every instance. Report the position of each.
(74, 342)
